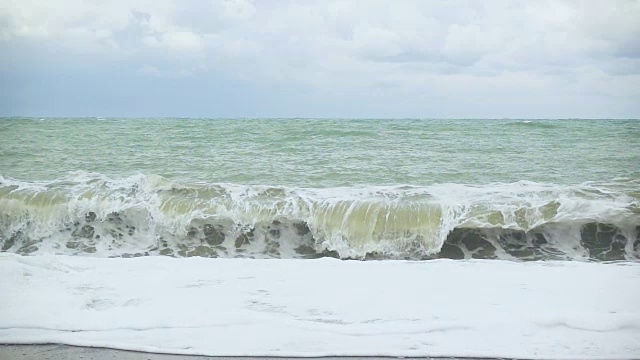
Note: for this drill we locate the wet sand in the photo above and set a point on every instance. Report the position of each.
(63, 352)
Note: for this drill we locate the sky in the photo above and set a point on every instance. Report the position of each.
(268, 58)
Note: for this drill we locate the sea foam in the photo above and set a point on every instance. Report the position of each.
(89, 213)
(324, 307)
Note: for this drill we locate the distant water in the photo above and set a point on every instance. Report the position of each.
(307, 188)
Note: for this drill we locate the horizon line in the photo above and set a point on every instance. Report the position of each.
(310, 117)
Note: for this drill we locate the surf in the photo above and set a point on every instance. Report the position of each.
(144, 215)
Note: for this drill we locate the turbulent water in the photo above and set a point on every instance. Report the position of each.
(308, 188)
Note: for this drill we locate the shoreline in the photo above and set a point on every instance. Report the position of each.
(61, 351)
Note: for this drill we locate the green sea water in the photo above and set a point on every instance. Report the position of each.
(324, 152)
(306, 188)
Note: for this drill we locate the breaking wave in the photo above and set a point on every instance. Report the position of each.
(93, 214)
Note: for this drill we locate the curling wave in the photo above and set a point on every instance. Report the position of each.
(93, 214)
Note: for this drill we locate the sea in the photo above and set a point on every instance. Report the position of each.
(366, 189)
(456, 238)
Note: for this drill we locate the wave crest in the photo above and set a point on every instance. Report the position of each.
(86, 213)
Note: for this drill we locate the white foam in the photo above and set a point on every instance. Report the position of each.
(353, 221)
(560, 310)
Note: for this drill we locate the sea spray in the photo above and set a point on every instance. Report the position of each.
(94, 214)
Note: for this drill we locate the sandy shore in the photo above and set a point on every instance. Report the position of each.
(63, 352)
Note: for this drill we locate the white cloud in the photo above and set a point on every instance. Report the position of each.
(182, 41)
(235, 9)
(405, 47)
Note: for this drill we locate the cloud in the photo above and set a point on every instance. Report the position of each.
(235, 9)
(178, 41)
(401, 48)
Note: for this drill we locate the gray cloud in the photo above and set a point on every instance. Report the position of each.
(403, 48)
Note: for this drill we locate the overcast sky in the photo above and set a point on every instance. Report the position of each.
(267, 58)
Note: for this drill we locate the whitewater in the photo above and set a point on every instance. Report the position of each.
(87, 213)
(323, 307)
(321, 237)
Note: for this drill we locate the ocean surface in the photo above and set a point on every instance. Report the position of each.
(412, 189)
(231, 237)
